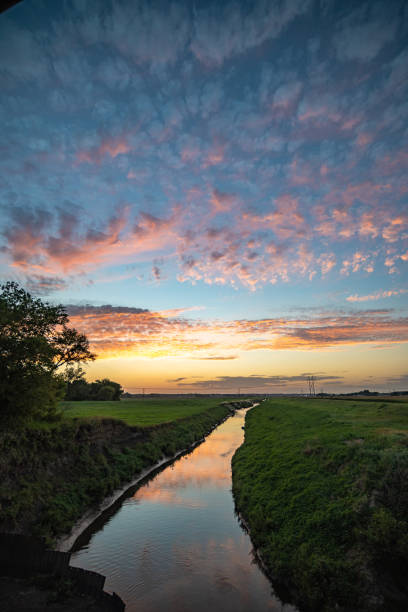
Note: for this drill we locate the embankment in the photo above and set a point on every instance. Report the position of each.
(34, 578)
(49, 478)
(323, 487)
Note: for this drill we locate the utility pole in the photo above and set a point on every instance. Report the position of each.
(311, 383)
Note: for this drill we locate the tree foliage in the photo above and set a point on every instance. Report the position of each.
(35, 341)
(101, 390)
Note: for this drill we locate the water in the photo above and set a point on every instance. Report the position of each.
(176, 545)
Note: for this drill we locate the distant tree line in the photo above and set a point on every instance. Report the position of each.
(78, 389)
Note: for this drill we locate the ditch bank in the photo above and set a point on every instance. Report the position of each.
(54, 482)
(323, 492)
(33, 578)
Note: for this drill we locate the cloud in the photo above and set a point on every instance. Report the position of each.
(86, 310)
(156, 273)
(108, 146)
(218, 138)
(255, 381)
(214, 156)
(361, 38)
(218, 357)
(222, 202)
(44, 285)
(285, 218)
(40, 240)
(125, 331)
(376, 296)
(396, 228)
(21, 56)
(359, 261)
(226, 30)
(400, 382)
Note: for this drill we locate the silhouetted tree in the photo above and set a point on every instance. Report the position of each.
(101, 390)
(35, 341)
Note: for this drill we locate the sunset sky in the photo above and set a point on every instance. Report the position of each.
(216, 191)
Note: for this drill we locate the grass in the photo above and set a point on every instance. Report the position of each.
(51, 474)
(140, 412)
(323, 485)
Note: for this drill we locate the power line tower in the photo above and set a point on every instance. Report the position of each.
(311, 383)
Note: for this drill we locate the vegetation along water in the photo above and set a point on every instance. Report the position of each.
(323, 486)
(175, 544)
(51, 473)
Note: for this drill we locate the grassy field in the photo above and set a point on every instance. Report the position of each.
(141, 412)
(323, 485)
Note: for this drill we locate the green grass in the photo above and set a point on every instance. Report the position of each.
(50, 474)
(323, 485)
(141, 412)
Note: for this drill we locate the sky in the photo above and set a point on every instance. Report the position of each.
(217, 192)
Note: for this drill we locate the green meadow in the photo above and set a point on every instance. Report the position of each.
(323, 486)
(141, 412)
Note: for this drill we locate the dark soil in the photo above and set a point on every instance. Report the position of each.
(27, 595)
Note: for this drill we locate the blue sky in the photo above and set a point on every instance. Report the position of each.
(221, 165)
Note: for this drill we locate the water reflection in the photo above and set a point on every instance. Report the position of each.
(175, 543)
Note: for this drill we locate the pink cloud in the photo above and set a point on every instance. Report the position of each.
(324, 170)
(367, 226)
(319, 115)
(364, 138)
(391, 164)
(367, 192)
(392, 258)
(116, 331)
(359, 261)
(397, 228)
(214, 157)
(111, 147)
(285, 220)
(73, 248)
(222, 202)
(327, 262)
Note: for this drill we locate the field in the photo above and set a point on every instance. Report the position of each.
(141, 412)
(323, 485)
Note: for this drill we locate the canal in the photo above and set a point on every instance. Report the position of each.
(175, 543)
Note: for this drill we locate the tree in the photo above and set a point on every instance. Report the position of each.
(35, 341)
(101, 390)
(105, 393)
(105, 384)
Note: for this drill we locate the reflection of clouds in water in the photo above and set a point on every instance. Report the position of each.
(209, 466)
(177, 545)
(206, 475)
(165, 496)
